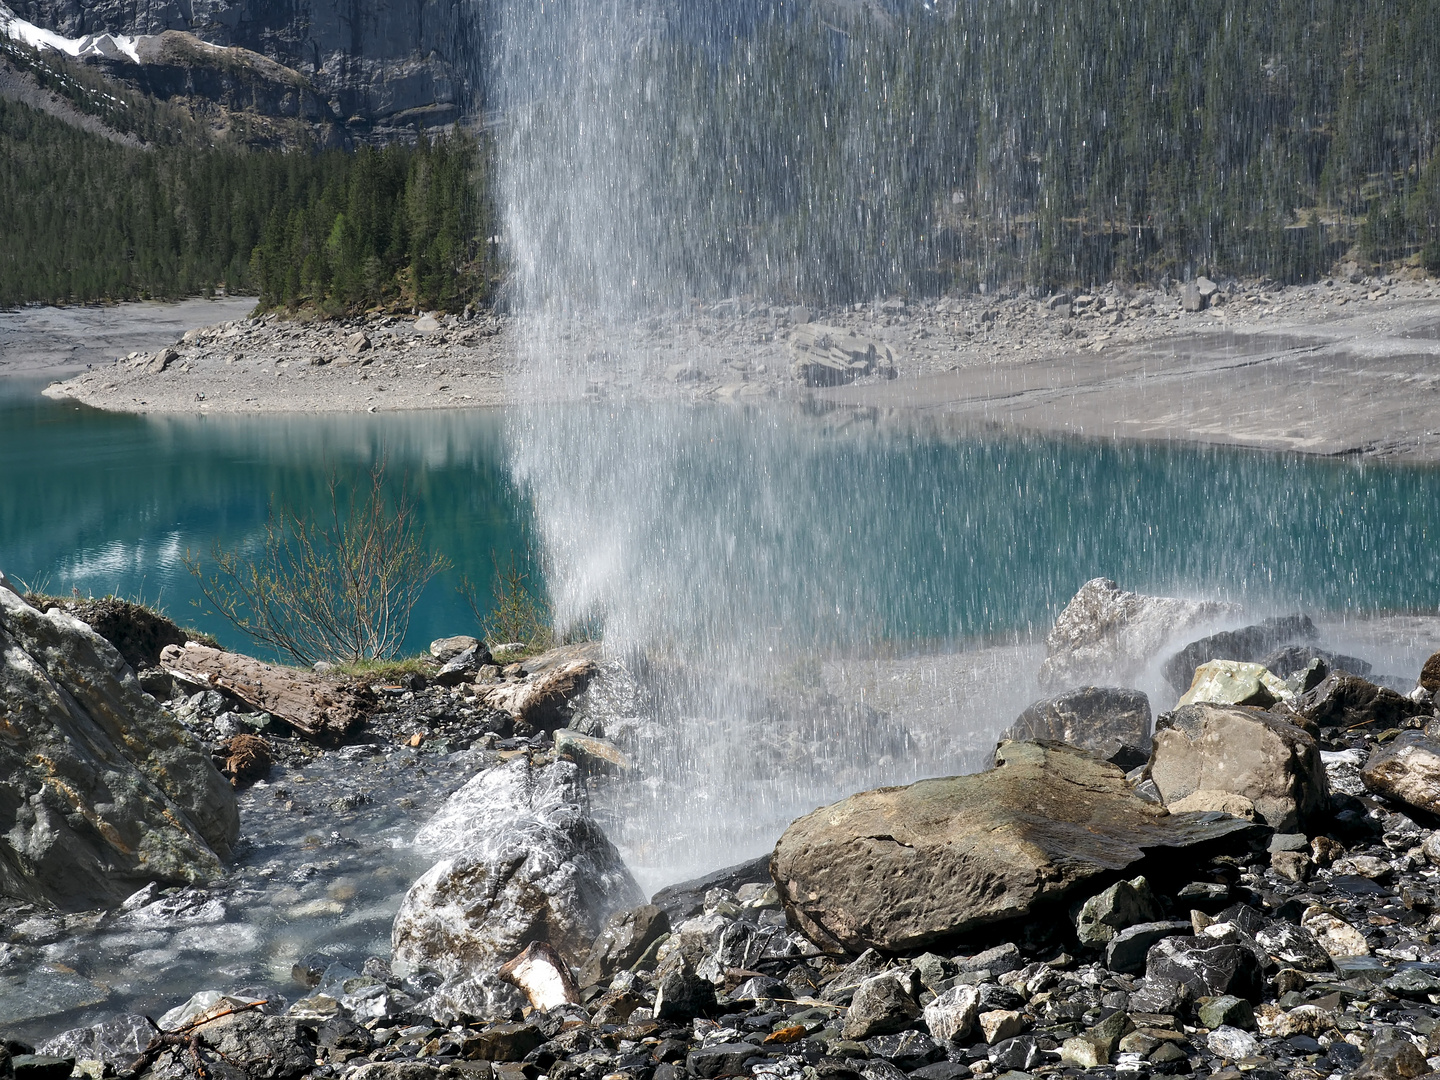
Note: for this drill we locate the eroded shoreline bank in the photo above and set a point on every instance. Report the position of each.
(1334, 368)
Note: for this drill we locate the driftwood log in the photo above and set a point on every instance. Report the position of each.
(318, 708)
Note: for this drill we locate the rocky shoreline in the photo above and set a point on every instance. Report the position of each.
(1249, 886)
(1072, 362)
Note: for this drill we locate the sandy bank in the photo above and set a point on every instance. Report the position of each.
(1339, 367)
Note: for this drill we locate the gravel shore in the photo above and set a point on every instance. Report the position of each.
(1342, 366)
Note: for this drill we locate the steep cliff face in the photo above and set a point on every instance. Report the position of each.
(366, 65)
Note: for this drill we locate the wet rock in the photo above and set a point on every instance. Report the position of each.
(1406, 769)
(542, 976)
(506, 1042)
(722, 1059)
(1429, 673)
(1106, 634)
(1123, 904)
(593, 753)
(681, 994)
(1290, 660)
(951, 1016)
(1348, 701)
(623, 941)
(525, 862)
(1246, 752)
(907, 1050)
(1110, 721)
(1020, 1053)
(1227, 1010)
(478, 997)
(117, 1041)
(1231, 682)
(1127, 951)
(882, 1005)
(687, 898)
(1206, 968)
(1232, 1044)
(1392, 1058)
(101, 790)
(904, 868)
(264, 1047)
(40, 1067)
(1293, 946)
(1249, 644)
(544, 698)
(462, 667)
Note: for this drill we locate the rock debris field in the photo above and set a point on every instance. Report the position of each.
(1247, 884)
(1331, 367)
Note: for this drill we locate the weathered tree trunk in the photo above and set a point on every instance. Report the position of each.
(318, 708)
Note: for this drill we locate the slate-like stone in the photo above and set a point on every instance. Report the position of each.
(1127, 950)
(1109, 721)
(904, 868)
(1206, 968)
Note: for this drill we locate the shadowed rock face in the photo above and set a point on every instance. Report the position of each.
(364, 59)
(907, 867)
(101, 790)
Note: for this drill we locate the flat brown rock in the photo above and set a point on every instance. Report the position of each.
(905, 868)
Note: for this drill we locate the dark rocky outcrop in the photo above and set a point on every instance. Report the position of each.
(1109, 721)
(1250, 644)
(367, 68)
(101, 790)
(1241, 751)
(1348, 701)
(904, 868)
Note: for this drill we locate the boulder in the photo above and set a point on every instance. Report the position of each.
(1249, 643)
(1123, 904)
(832, 355)
(101, 789)
(623, 940)
(951, 1016)
(1233, 682)
(1245, 752)
(902, 868)
(882, 1005)
(1429, 673)
(1293, 946)
(1107, 720)
(1129, 950)
(543, 699)
(1349, 701)
(543, 976)
(1108, 635)
(686, 898)
(1289, 660)
(1406, 769)
(523, 862)
(1205, 967)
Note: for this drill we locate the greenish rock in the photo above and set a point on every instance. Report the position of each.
(1233, 682)
(101, 790)
(1227, 1009)
(904, 868)
(1123, 904)
(1166, 1053)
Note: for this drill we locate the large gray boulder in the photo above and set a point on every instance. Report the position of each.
(523, 861)
(1108, 635)
(904, 868)
(101, 789)
(1107, 720)
(1241, 751)
(1406, 769)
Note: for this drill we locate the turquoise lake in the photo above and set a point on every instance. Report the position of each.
(847, 534)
